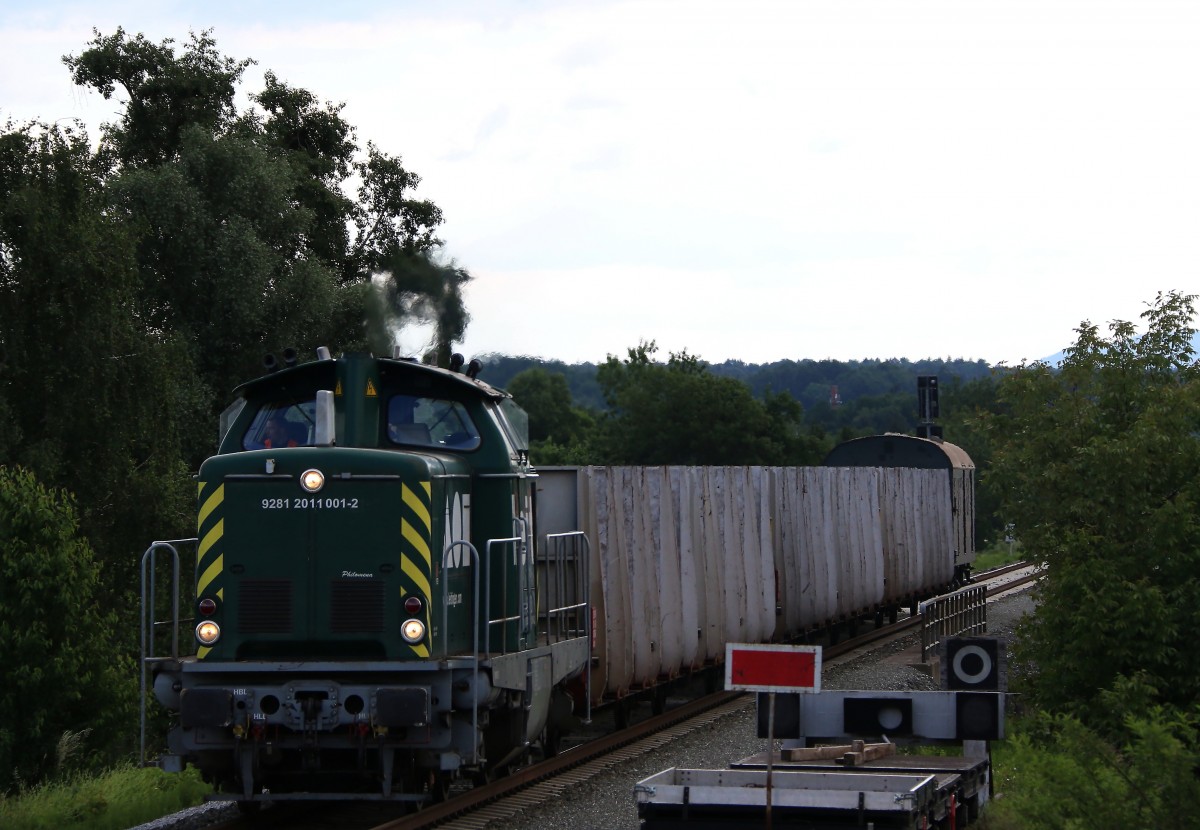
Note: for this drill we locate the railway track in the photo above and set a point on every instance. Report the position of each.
(541, 782)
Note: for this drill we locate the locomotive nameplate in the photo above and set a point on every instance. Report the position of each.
(310, 503)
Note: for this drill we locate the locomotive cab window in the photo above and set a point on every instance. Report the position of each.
(280, 424)
(430, 422)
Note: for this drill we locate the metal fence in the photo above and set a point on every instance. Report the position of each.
(962, 613)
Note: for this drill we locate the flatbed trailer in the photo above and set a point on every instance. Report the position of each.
(910, 792)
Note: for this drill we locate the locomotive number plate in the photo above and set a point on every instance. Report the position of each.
(310, 503)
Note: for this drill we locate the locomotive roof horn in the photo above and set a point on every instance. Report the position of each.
(456, 362)
(270, 363)
(290, 357)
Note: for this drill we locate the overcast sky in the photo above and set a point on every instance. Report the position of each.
(751, 180)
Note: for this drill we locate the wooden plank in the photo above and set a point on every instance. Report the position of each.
(852, 754)
(691, 570)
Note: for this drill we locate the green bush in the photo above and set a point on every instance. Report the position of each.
(1057, 774)
(64, 690)
(121, 798)
(1097, 461)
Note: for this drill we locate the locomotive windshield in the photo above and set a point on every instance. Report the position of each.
(430, 422)
(280, 424)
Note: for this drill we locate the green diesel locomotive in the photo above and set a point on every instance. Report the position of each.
(375, 612)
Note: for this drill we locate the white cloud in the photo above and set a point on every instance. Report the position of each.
(842, 178)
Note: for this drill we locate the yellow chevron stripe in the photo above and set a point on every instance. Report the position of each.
(417, 567)
(210, 504)
(421, 508)
(418, 540)
(210, 539)
(202, 652)
(414, 573)
(210, 573)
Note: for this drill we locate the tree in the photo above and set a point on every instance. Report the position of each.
(680, 413)
(963, 405)
(94, 401)
(1097, 462)
(248, 213)
(167, 95)
(559, 432)
(62, 671)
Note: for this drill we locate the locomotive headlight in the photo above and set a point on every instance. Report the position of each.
(208, 632)
(312, 480)
(413, 631)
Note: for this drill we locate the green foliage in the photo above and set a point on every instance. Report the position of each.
(85, 380)
(556, 428)
(877, 395)
(964, 404)
(680, 413)
(998, 554)
(1057, 774)
(63, 677)
(1098, 464)
(120, 798)
(499, 370)
(247, 213)
(166, 94)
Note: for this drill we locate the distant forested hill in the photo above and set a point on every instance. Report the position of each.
(499, 370)
(811, 382)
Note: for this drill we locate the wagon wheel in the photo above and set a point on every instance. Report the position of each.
(658, 700)
(551, 741)
(438, 787)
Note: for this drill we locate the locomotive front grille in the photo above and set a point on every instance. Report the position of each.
(265, 607)
(356, 607)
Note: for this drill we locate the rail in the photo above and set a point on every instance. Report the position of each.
(961, 613)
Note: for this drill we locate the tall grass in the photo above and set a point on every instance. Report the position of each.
(121, 798)
(997, 554)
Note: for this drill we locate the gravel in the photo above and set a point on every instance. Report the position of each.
(194, 818)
